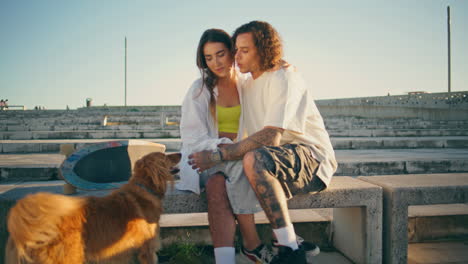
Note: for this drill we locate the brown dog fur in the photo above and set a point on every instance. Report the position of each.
(50, 228)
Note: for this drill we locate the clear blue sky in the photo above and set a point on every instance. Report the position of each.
(56, 53)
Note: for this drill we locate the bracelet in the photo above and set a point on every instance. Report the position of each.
(216, 155)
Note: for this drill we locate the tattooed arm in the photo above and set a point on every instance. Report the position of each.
(268, 136)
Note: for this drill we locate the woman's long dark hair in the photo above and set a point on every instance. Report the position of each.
(209, 79)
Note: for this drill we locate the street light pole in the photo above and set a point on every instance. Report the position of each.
(449, 54)
(125, 71)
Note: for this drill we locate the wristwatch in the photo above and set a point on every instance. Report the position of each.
(216, 155)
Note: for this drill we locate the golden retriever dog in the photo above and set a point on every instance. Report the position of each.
(51, 228)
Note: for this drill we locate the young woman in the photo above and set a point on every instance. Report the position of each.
(211, 115)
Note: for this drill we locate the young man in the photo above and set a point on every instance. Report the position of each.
(287, 149)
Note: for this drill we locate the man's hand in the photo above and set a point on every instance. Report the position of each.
(203, 160)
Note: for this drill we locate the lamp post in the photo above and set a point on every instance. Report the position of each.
(125, 71)
(448, 44)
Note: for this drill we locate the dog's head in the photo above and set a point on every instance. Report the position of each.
(154, 170)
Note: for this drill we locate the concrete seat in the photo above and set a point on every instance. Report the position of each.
(357, 210)
(401, 191)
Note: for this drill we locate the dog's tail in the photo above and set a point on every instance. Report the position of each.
(34, 221)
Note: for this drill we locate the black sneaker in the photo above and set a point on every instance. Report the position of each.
(260, 255)
(288, 256)
(310, 248)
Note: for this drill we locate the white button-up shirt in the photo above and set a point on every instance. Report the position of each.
(198, 131)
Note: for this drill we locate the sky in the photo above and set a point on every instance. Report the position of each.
(56, 53)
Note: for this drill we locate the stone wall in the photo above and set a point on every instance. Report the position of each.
(429, 106)
(435, 106)
(454, 100)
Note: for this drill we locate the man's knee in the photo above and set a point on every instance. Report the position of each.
(255, 161)
(249, 160)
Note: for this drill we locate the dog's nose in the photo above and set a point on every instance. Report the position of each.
(174, 170)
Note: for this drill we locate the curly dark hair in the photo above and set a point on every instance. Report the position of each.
(267, 40)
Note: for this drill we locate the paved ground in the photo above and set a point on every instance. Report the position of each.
(322, 258)
(440, 253)
(420, 253)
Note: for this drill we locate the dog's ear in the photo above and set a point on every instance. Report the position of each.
(153, 169)
(174, 158)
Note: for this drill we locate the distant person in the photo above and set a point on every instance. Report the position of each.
(5, 104)
(2, 104)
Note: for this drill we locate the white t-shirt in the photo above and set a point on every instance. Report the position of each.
(281, 99)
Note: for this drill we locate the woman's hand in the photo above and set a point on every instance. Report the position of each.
(203, 160)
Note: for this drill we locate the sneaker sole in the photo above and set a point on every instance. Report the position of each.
(313, 253)
(251, 259)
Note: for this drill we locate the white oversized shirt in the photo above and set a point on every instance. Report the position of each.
(281, 99)
(198, 131)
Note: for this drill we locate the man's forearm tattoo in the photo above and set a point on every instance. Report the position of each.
(264, 137)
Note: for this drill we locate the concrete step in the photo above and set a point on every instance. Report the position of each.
(351, 163)
(401, 161)
(397, 132)
(168, 132)
(51, 115)
(143, 126)
(174, 144)
(53, 145)
(141, 123)
(399, 142)
(173, 132)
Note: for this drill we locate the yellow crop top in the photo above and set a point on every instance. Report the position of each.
(228, 118)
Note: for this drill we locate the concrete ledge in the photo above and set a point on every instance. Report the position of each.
(173, 131)
(357, 207)
(169, 132)
(351, 163)
(175, 144)
(50, 172)
(403, 191)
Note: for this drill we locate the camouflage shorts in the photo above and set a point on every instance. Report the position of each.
(294, 167)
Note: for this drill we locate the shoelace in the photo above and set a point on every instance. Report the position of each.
(266, 255)
(299, 239)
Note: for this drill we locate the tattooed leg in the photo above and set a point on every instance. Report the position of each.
(269, 192)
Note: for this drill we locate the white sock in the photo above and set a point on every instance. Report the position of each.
(225, 255)
(286, 236)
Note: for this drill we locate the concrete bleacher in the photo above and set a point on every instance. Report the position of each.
(365, 146)
(400, 192)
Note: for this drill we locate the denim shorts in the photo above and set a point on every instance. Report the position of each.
(241, 195)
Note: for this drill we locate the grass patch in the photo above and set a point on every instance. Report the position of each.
(185, 252)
